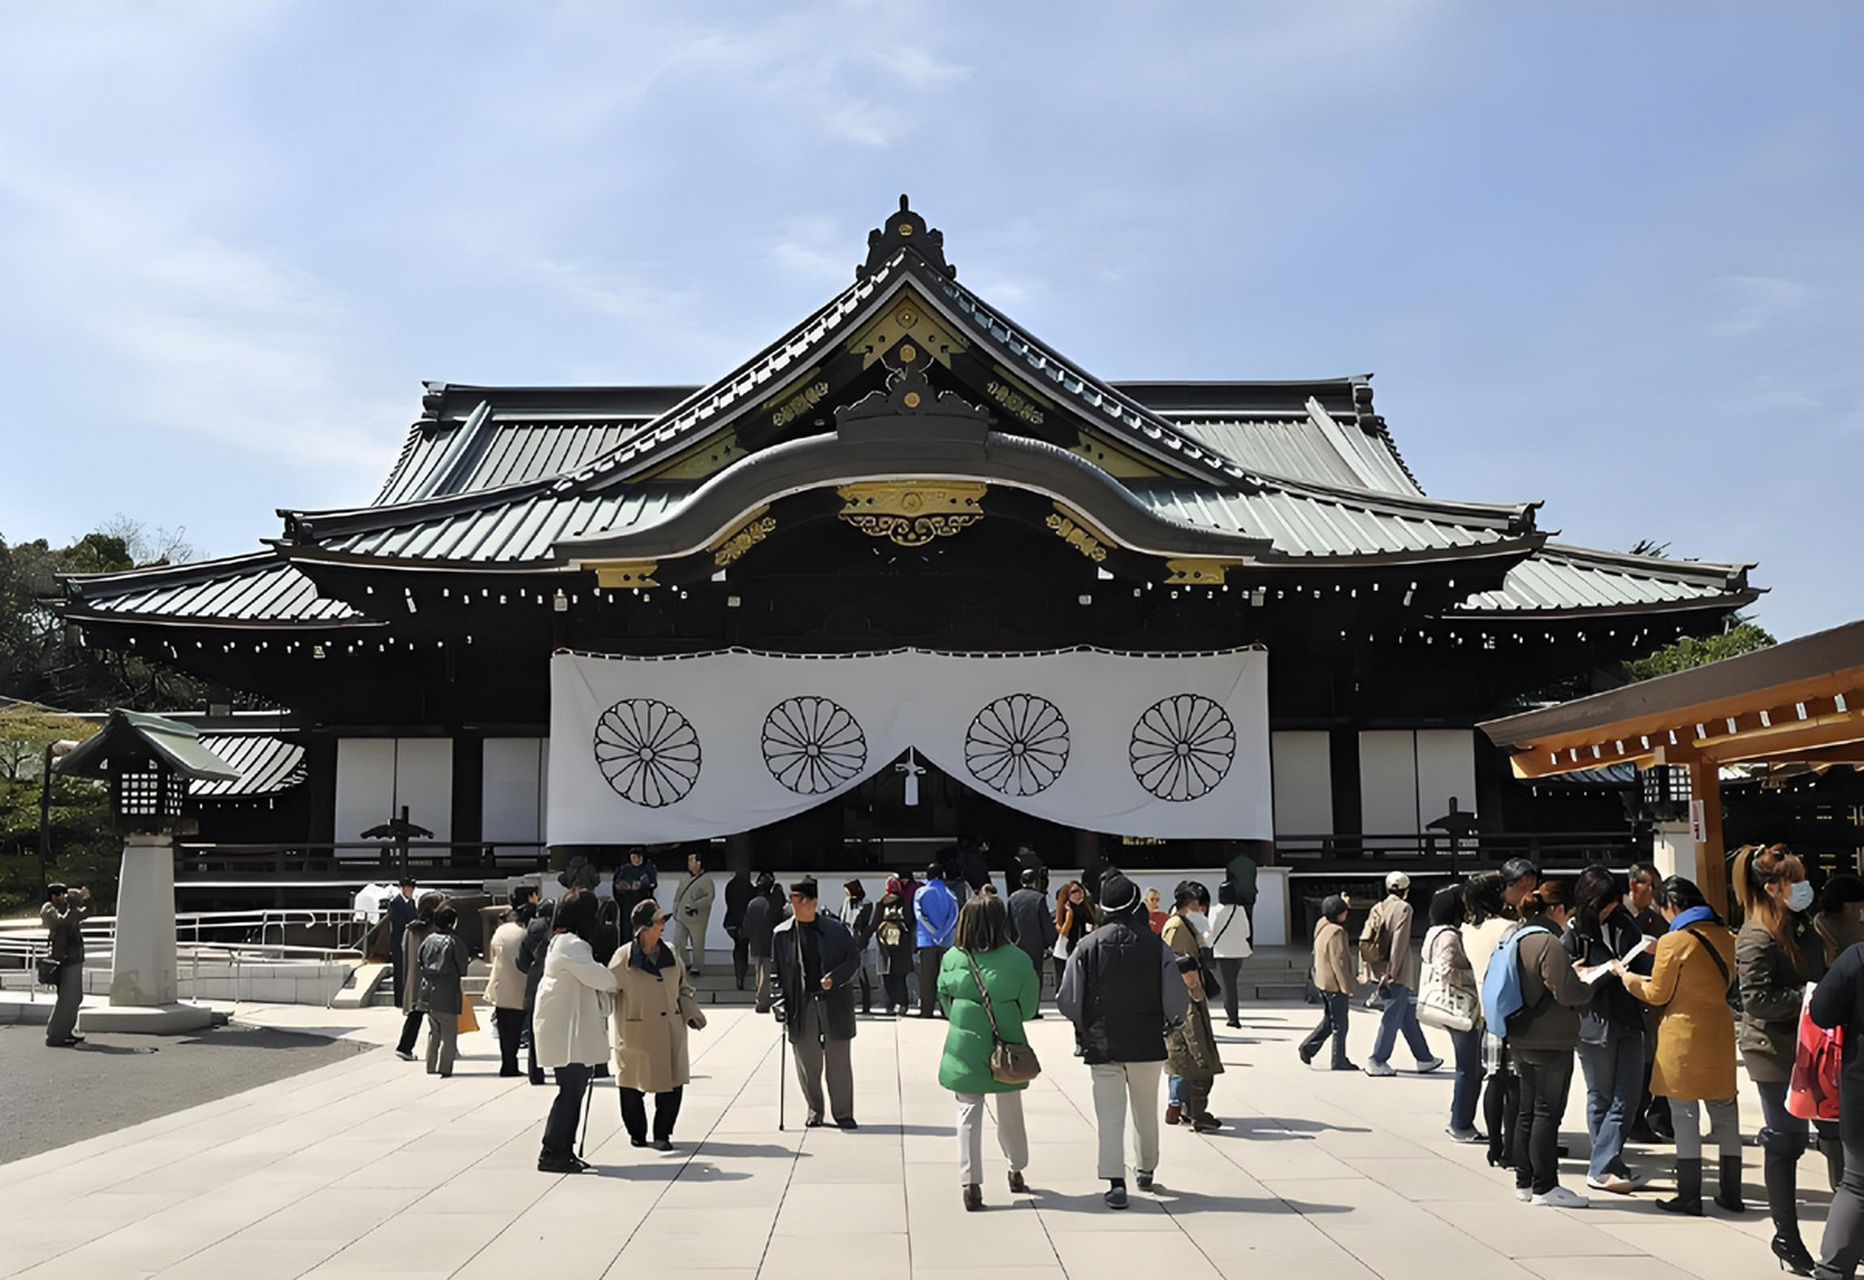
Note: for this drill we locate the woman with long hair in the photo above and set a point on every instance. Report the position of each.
(1487, 920)
(987, 988)
(1190, 1047)
(1611, 1030)
(1074, 918)
(1695, 1063)
(1777, 954)
(1446, 964)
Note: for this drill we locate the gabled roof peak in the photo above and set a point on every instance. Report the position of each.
(905, 230)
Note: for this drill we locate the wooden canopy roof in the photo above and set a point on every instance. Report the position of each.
(1799, 701)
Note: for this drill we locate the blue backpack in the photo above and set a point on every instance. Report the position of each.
(1501, 985)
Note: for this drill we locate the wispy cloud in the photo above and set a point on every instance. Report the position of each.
(1749, 304)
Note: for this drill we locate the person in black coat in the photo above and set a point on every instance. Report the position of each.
(762, 915)
(1027, 860)
(738, 894)
(1122, 988)
(1032, 926)
(401, 912)
(531, 964)
(1838, 1003)
(815, 963)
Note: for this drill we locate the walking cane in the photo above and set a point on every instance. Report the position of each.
(782, 1048)
(587, 1097)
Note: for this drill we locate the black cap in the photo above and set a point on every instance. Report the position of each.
(804, 888)
(1332, 905)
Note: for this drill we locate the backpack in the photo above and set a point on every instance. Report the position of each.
(892, 931)
(1501, 985)
(1375, 941)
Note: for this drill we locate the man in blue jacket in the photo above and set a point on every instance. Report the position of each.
(936, 908)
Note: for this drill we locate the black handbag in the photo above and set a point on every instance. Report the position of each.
(1009, 1063)
(47, 969)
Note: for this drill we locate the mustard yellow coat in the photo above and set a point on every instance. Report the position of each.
(1695, 1026)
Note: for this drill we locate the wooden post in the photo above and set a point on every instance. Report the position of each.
(1705, 788)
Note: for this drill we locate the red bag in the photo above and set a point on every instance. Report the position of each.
(1813, 1092)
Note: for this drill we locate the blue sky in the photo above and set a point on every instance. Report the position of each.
(1606, 255)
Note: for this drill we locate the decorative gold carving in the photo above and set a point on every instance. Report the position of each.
(1078, 537)
(911, 513)
(909, 353)
(804, 399)
(908, 315)
(1014, 401)
(1195, 573)
(753, 531)
(624, 573)
(711, 455)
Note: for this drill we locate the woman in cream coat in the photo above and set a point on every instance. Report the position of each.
(570, 1025)
(654, 1008)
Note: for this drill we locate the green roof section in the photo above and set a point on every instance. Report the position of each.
(135, 735)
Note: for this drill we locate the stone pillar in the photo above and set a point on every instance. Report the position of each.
(143, 989)
(144, 971)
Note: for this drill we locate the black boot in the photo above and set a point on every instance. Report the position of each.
(1688, 1198)
(1779, 1168)
(1728, 1186)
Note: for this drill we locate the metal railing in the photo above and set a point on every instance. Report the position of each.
(350, 860)
(1438, 851)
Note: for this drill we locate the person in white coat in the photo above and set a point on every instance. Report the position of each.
(1230, 944)
(692, 914)
(570, 1025)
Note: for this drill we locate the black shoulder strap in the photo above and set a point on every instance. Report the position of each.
(1727, 977)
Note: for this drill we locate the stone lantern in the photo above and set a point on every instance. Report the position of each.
(148, 762)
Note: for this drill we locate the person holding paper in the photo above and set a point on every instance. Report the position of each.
(1611, 1030)
(1541, 1038)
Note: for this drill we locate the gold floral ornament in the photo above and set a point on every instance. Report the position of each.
(733, 548)
(912, 513)
(1077, 537)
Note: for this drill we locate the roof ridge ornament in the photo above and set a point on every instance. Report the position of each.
(905, 230)
(910, 395)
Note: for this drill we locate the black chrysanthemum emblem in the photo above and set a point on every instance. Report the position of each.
(648, 751)
(812, 745)
(1017, 745)
(1182, 747)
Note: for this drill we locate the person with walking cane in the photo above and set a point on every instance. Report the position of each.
(815, 963)
(571, 1026)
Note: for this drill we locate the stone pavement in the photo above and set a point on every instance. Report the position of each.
(369, 1166)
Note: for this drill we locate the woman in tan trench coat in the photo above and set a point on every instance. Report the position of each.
(1695, 1064)
(654, 1007)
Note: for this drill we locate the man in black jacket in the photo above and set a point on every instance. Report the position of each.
(401, 911)
(1032, 926)
(531, 965)
(1121, 989)
(738, 894)
(815, 961)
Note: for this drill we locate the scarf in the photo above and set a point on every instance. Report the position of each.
(640, 959)
(1695, 915)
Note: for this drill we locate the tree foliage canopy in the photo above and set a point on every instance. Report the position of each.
(1681, 655)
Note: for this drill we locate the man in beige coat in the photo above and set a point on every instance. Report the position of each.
(691, 913)
(1333, 978)
(654, 1009)
(504, 989)
(1385, 949)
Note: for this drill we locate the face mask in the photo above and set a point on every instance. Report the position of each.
(1800, 896)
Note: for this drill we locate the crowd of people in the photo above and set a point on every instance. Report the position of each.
(1640, 981)
(1634, 983)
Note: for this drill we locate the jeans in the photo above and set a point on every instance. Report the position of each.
(1011, 1135)
(1174, 1090)
(1333, 1015)
(1614, 1085)
(1546, 1079)
(1775, 1118)
(443, 1042)
(666, 1111)
(1844, 1224)
(1230, 971)
(560, 1128)
(509, 1023)
(1500, 1102)
(1120, 1087)
(1400, 1015)
(1467, 1047)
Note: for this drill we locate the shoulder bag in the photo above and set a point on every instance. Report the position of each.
(1009, 1063)
(1442, 1004)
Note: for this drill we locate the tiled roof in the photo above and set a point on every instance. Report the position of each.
(257, 590)
(1561, 580)
(267, 765)
(486, 451)
(1305, 521)
(518, 530)
(1313, 447)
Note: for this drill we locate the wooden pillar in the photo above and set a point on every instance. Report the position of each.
(1705, 789)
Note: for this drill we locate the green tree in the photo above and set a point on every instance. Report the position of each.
(1680, 655)
(84, 850)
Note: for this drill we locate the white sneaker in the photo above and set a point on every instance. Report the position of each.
(1561, 1198)
(1523, 1194)
(1613, 1183)
(1381, 1069)
(1429, 1065)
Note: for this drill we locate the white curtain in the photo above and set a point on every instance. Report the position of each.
(655, 750)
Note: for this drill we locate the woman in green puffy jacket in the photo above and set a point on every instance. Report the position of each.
(982, 953)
